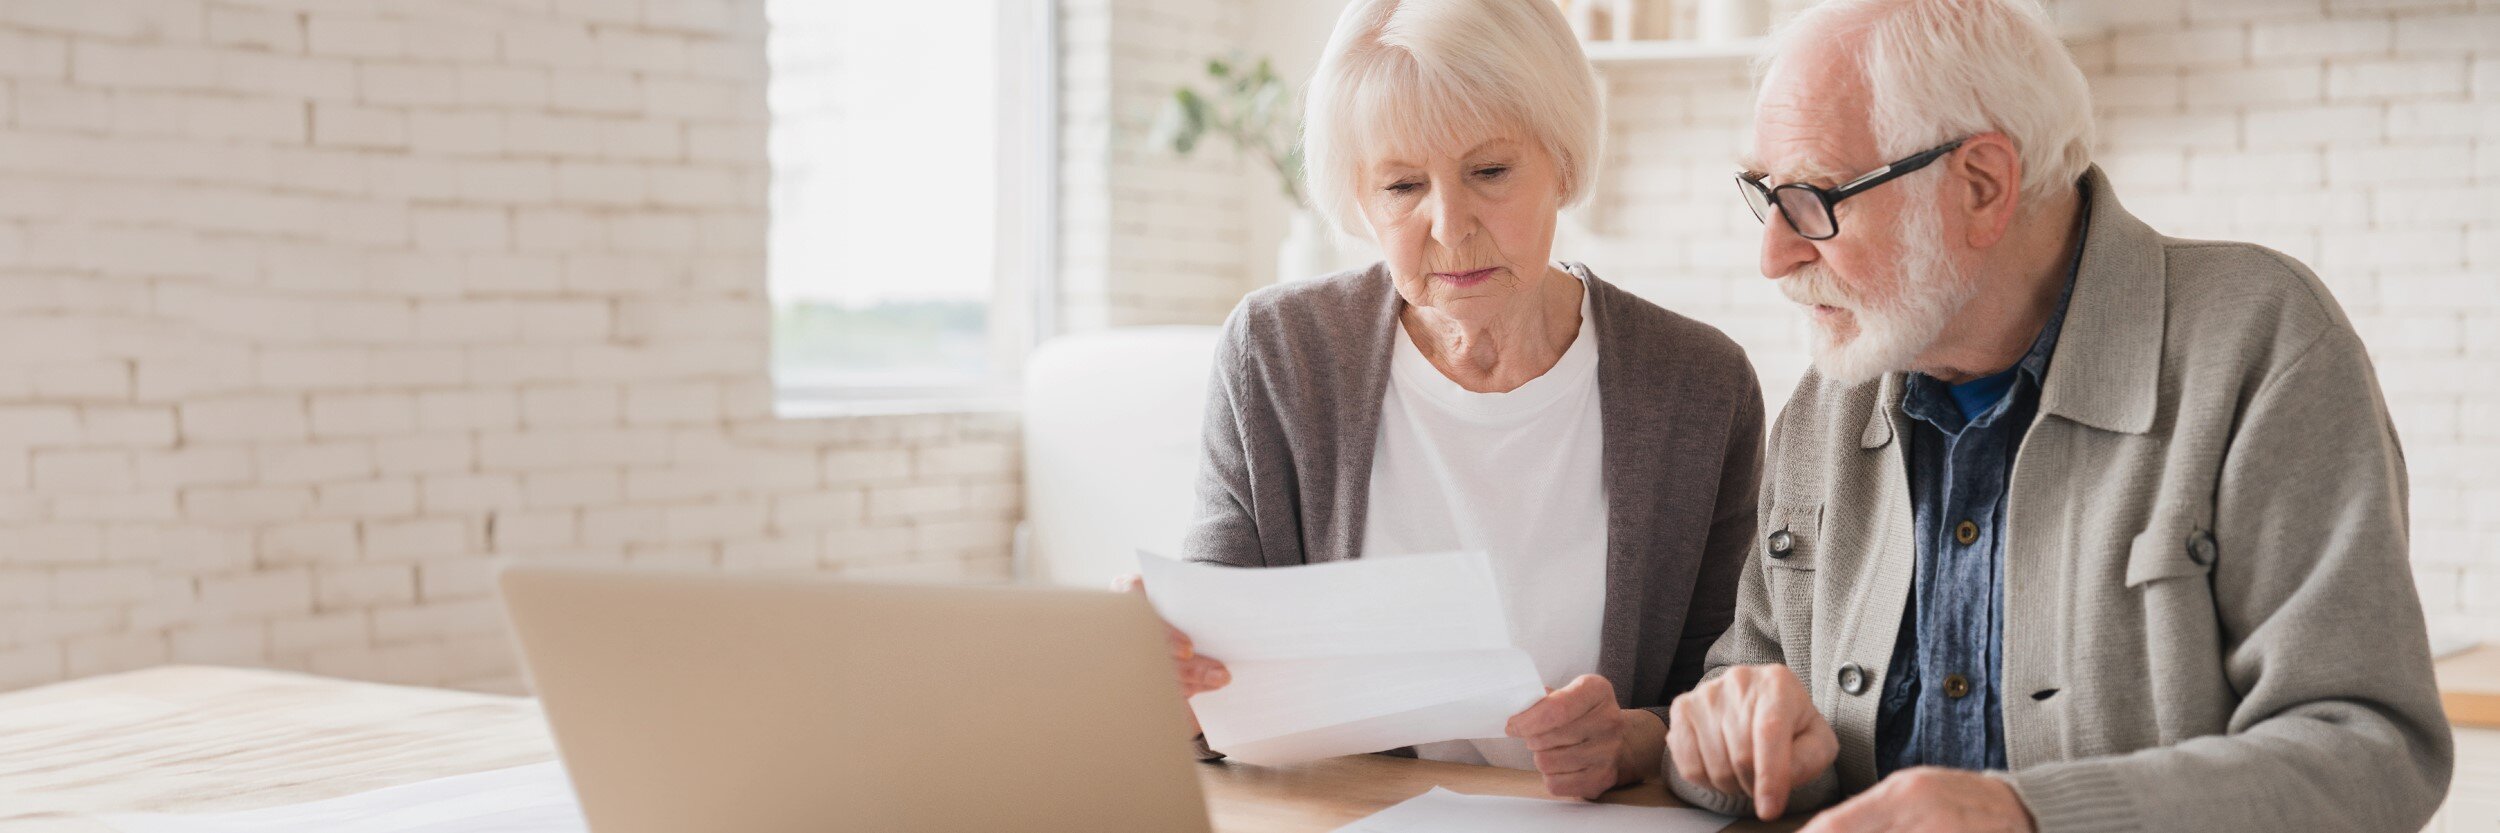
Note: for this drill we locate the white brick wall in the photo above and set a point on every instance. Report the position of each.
(2360, 137)
(311, 313)
(1146, 237)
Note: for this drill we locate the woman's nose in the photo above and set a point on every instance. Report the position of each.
(1453, 217)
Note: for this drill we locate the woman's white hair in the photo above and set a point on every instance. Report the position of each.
(1938, 70)
(1413, 76)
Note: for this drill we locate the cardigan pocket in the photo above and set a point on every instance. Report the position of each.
(2176, 544)
(1789, 546)
(1792, 537)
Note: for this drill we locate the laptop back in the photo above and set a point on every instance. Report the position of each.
(693, 702)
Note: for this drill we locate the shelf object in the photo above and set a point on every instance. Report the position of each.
(1665, 51)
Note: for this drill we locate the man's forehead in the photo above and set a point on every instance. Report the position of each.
(1810, 115)
(1805, 130)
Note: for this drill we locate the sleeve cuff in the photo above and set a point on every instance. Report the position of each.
(2076, 797)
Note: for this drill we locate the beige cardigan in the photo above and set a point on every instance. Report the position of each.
(2210, 623)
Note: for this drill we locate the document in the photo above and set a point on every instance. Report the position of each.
(524, 799)
(1347, 657)
(1442, 811)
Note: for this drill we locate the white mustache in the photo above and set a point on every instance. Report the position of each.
(1813, 285)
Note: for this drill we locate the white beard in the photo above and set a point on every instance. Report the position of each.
(1889, 335)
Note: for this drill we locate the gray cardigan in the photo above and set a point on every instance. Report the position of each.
(2210, 624)
(1293, 413)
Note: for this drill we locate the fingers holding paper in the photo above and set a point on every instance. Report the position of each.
(1198, 674)
(1582, 743)
(1753, 731)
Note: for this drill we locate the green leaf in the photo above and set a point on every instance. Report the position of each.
(1193, 120)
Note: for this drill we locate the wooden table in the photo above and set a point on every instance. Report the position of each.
(196, 739)
(2469, 686)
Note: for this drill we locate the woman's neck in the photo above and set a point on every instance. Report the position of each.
(1502, 352)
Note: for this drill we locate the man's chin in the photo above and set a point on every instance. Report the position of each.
(1850, 361)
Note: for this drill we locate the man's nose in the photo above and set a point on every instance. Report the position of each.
(1783, 249)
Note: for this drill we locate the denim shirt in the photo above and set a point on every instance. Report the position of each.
(1940, 702)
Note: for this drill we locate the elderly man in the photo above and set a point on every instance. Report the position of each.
(2073, 526)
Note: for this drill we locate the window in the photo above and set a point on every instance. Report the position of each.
(910, 146)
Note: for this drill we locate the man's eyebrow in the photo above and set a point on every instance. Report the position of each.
(1803, 170)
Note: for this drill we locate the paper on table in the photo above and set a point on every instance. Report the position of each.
(524, 799)
(1443, 811)
(1347, 657)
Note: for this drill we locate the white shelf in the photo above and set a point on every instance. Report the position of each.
(1665, 51)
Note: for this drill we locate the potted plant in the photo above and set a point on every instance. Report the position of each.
(1254, 109)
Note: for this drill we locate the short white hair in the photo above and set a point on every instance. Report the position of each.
(1411, 75)
(1939, 70)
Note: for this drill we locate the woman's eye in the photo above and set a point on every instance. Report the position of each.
(1494, 172)
(1402, 187)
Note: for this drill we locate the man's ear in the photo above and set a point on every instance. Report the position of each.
(1987, 176)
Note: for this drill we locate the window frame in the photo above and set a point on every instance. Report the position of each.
(1023, 299)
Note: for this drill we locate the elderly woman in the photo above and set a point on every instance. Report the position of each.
(1470, 393)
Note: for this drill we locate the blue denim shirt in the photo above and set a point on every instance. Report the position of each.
(1940, 700)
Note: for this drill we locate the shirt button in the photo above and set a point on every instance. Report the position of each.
(1853, 679)
(1966, 533)
(1782, 543)
(1956, 686)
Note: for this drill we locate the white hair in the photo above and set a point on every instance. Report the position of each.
(1939, 70)
(1419, 75)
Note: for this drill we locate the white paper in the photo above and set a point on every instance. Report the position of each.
(1443, 811)
(524, 799)
(1347, 657)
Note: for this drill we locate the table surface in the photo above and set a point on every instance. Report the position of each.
(2469, 686)
(198, 739)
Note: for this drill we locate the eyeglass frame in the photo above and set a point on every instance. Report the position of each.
(1750, 184)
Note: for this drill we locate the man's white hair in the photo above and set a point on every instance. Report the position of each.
(1939, 70)
(1412, 76)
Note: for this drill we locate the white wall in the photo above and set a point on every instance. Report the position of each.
(312, 311)
(1146, 237)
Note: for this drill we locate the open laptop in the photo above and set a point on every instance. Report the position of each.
(686, 703)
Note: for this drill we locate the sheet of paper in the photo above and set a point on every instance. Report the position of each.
(525, 799)
(1347, 657)
(1443, 811)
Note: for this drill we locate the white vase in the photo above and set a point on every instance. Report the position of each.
(1313, 247)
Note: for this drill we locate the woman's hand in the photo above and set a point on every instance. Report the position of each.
(1583, 744)
(1197, 674)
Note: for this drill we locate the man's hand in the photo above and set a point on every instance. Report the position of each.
(1753, 731)
(1930, 799)
(1583, 744)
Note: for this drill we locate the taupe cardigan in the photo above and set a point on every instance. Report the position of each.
(1293, 415)
(2210, 620)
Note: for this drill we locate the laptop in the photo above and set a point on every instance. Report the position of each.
(686, 703)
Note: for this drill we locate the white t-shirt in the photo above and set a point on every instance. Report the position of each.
(1518, 475)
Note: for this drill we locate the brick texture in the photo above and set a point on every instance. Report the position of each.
(315, 313)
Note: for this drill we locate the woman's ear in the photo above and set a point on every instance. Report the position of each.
(1987, 176)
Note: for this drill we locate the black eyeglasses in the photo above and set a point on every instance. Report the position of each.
(1809, 209)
